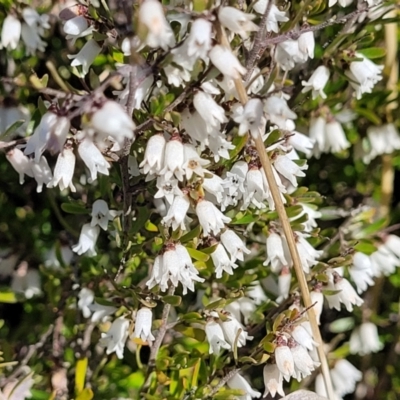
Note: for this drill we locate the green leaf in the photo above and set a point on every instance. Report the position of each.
(8, 297)
(11, 129)
(216, 304)
(373, 52)
(142, 215)
(341, 325)
(80, 374)
(247, 219)
(74, 208)
(369, 114)
(191, 235)
(173, 300)
(195, 333)
(197, 255)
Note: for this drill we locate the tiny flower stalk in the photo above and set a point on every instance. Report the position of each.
(287, 229)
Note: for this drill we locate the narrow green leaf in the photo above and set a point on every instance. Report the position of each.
(373, 52)
(197, 255)
(80, 374)
(173, 300)
(74, 208)
(7, 297)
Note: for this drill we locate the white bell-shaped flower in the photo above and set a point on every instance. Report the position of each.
(41, 172)
(87, 240)
(101, 214)
(144, 320)
(93, 159)
(168, 189)
(64, 170)
(249, 117)
(222, 262)
(112, 120)
(226, 62)
(193, 162)
(336, 140)
(237, 21)
(289, 169)
(317, 298)
(234, 245)
(101, 312)
(344, 377)
(278, 111)
(274, 16)
(303, 363)
(284, 360)
(20, 162)
(238, 382)
(362, 272)
(273, 380)
(159, 34)
(210, 218)
(231, 329)
(26, 281)
(303, 337)
(114, 339)
(214, 186)
(10, 32)
(199, 39)
(209, 110)
(176, 215)
(317, 82)
(153, 160)
(215, 337)
(365, 339)
(306, 43)
(86, 56)
(86, 298)
(77, 27)
(174, 159)
(364, 75)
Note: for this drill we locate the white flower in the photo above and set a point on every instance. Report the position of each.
(317, 82)
(224, 60)
(289, 169)
(344, 377)
(383, 261)
(383, 139)
(144, 320)
(11, 32)
(288, 54)
(306, 44)
(64, 170)
(26, 280)
(278, 111)
(86, 298)
(77, 27)
(392, 243)
(209, 110)
(317, 298)
(168, 189)
(365, 339)
(52, 260)
(274, 16)
(215, 337)
(284, 361)
(237, 21)
(222, 262)
(275, 252)
(347, 294)
(159, 34)
(100, 312)
(308, 255)
(154, 155)
(32, 29)
(177, 213)
(284, 280)
(231, 329)
(177, 76)
(273, 380)
(234, 245)
(343, 3)
(116, 336)
(210, 218)
(303, 338)
(335, 137)
(101, 215)
(317, 134)
(301, 143)
(257, 190)
(86, 56)
(173, 159)
(87, 240)
(20, 162)
(93, 159)
(214, 186)
(303, 363)
(41, 172)
(238, 382)
(364, 75)
(249, 117)
(362, 272)
(112, 120)
(193, 162)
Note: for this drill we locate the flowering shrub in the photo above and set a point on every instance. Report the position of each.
(204, 208)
